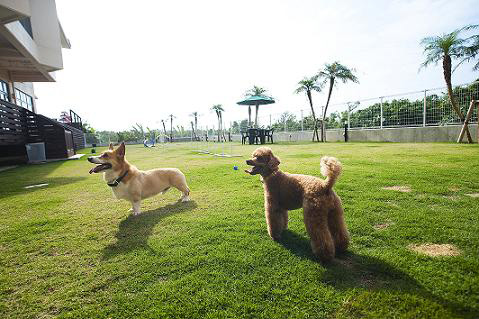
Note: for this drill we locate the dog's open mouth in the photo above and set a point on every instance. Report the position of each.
(254, 170)
(100, 168)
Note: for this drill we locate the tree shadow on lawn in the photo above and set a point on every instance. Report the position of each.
(351, 270)
(134, 231)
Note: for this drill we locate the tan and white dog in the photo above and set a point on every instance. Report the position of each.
(132, 184)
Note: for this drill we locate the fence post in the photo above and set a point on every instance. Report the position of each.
(381, 112)
(349, 118)
(302, 121)
(424, 109)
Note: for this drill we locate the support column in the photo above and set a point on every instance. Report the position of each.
(382, 118)
(424, 109)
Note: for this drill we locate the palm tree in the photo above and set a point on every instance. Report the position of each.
(330, 73)
(447, 47)
(171, 127)
(309, 85)
(255, 90)
(193, 132)
(218, 108)
(195, 129)
(164, 128)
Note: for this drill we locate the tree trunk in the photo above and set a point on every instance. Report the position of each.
(219, 124)
(171, 130)
(196, 125)
(222, 129)
(193, 131)
(323, 127)
(315, 129)
(256, 116)
(164, 128)
(249, 115)
(446, 66)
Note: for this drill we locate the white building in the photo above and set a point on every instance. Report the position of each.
(31, 42)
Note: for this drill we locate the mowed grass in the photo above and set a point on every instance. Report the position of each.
(70, 250)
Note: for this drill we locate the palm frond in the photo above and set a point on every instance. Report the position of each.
(309, 84)
(451, 44)
(338, 71)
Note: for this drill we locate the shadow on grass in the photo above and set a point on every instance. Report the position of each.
(16, 179)
(133, 232)
(18, 187)
(351, 271)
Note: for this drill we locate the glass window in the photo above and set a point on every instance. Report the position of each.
(24, 100)
(4, 91)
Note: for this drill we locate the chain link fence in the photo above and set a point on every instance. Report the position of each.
(430, 107)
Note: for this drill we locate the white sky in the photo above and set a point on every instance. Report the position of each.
(138, 61)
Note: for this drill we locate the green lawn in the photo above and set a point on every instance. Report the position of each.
(70, 250)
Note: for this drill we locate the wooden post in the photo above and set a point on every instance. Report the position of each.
(466, 120)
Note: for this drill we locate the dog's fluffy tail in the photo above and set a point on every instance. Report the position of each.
(330, 168)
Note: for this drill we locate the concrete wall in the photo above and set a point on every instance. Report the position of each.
(447, 133)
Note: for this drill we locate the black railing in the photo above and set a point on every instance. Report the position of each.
(19, 126)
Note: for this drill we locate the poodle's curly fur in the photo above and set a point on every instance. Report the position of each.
(323, 212)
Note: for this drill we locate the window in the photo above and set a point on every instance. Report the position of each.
(27, 25)
(24, 100)
(4, 91)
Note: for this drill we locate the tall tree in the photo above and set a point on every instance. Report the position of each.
(195, 129)
(309, 85)
(193, 132)
(330, 73)
(445, 48)
(171, 116)
(255, 90)
(164, 128)
(218, 108)
(138, 131)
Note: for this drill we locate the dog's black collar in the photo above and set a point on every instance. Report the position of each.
(117, 181)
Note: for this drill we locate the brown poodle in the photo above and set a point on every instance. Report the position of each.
(323, 213)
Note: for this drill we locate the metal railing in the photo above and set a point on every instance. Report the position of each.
(430, 107)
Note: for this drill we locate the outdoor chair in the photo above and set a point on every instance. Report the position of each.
(244, 136)
(269, 135)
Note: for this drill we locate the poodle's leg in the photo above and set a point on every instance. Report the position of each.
(275, 219)
(284, 216)
(316, 222)
(337, 226)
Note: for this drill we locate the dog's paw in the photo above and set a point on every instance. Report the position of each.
(136, 213)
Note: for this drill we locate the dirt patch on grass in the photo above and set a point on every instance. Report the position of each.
(383, 225)
(392, 203)
(436, 250)
(473, 195)
(402, 189)
(452, 197)
(454, 189)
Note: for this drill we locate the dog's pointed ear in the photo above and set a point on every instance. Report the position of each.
(111, 146)
(120, 151)
(273, 161)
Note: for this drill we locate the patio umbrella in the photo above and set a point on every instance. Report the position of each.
(256, 100)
